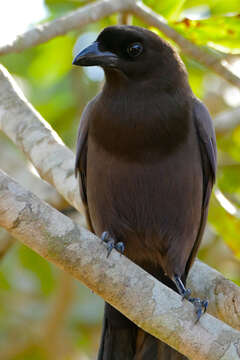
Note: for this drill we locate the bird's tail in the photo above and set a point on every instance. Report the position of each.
(123, 340)
(118, 340)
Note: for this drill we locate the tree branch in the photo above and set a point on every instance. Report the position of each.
(34, 136)
(100, 9)
(6, 241)
(54, 162)
(72, 21)
(227, 120)
(211, 61)
(124, 18)
(223, 295)
(18, 167)
(151, 305)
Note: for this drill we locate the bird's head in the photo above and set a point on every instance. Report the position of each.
(133, 52)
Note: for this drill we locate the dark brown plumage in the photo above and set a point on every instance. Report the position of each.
(146, 156)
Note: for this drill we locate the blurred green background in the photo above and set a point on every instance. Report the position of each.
(45, 314)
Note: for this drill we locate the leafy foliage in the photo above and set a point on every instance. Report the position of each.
(220, 32)
(30, 287)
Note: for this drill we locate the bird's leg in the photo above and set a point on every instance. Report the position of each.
(185, 293)
(111, 243)
(199, 305)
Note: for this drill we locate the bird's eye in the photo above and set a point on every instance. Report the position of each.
(134, 49)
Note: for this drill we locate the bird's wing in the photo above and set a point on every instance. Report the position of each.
(81, 157)
(207, 144)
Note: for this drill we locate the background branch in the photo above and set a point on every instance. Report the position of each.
(74, 20)
(212, 62)
(223, 295)
(62, 95)
(17, 167)
(151, 305)
(39, 142)
(6, 241)
(227, 120)
(14, 163)
(55, 162)
(100, 9)
(124, 18)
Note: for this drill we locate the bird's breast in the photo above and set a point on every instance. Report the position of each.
(146, 204)
(137, 130)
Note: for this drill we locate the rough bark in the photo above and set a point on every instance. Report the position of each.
(39, 142)
(54, 162)
(223, 295)
(147, 302)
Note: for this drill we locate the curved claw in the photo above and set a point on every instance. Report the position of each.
(205, 305)
(200, 306)
(111, 243)
(110, 246)
(120, 247)
(199, 314)
(105, 236)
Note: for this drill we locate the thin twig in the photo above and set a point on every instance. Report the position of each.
(211, 61)
(124, 18)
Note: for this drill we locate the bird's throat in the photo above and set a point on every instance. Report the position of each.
(136, 125)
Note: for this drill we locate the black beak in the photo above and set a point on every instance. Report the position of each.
(91, 56)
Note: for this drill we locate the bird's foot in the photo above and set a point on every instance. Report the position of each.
(111, 243)
(199, 305)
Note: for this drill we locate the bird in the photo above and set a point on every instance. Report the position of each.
(146, 163)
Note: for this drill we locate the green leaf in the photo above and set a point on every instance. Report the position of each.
(229, 178)
(216, 32)
(4, 283)
(53, 60)
(196, 74)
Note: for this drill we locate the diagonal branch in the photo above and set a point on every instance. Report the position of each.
(151, 305)
(54, 162)
(102, 8)
(212, 62)
(223, 295)
(72, 21)
(227, 120)
(13, 163)
(34, 136)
